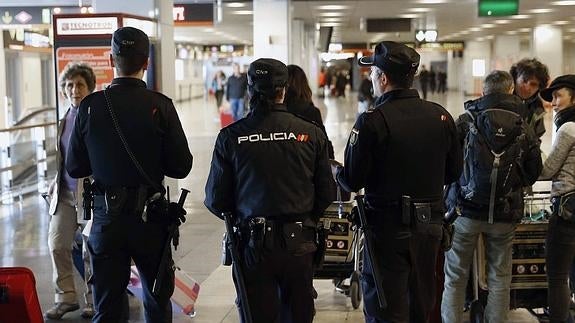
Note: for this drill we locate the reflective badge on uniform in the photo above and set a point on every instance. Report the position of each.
(353, 136)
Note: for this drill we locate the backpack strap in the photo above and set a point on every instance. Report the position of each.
(493, 180)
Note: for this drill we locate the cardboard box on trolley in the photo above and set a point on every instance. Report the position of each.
(86, 38)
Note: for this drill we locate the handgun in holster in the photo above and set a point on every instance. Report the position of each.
(87, 199)
(226, 252)
(255, 245)
(406, 210)
(321, 236)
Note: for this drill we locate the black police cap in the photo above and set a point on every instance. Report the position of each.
(562, 81)
(266, 74)
(130, 41)
(393, 57)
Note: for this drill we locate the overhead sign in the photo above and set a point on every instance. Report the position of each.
(443, 46)
(498, 8)
(24, 15)
(426, 35)
(86, 25)
(193, 14)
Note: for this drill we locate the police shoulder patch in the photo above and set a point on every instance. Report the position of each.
(353, 136)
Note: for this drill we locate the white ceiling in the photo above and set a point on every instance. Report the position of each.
(453, 19)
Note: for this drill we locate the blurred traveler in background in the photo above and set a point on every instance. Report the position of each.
(236, 91)
(219, 86)
(298, 100)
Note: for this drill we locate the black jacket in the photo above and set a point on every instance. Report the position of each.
(365, 92)
(531, 163)
(236, 87)
(150, 125)
(310, 112)
(272, 165)
(404, 146)
(535, 114)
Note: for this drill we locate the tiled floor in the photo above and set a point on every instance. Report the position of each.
(24, 226)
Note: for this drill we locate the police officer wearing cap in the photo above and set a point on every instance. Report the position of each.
(401, 152)
(271, 171)
(153, 134)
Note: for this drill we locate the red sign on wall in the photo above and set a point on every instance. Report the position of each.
(97, 57)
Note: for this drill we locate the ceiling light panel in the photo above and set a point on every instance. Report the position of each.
(431, 1)
(563, 3)
(235, 4)
(419, 9)
(242, 12)
(541, 10)
(520, 17)
(332, 14)
(332, 7)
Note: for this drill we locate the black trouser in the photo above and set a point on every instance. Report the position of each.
(115, 240)
(560, 246)
(280, 287)
(407, 256)
(219, 97)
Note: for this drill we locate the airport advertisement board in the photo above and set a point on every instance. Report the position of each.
(97, 57)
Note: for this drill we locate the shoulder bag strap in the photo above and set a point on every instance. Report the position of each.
(126, 147)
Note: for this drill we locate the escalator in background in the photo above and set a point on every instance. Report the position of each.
(30, 153)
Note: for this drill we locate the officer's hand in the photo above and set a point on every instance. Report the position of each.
(335, 167)
(177, 213)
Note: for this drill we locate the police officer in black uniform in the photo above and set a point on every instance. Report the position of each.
(402, 152)
(271, 170)
(153, 132)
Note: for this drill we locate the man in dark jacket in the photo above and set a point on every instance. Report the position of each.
(490, 202)
(236, 91)
(121, 230)
(271, 171)
(530, 77)
(402, 152)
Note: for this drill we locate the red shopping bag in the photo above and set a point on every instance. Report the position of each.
(226, 117)
(185, 292)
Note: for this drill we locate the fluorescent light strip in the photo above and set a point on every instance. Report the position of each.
(235, 4)
(541, 10)
(332, 7)
(563, 3)
(332, 14)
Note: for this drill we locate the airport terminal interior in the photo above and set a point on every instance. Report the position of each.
(463, 39)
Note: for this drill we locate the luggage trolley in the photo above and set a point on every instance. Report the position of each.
(529, 279)
(342, 260)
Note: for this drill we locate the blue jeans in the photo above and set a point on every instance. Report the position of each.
(498, 239)
(560, 246)
(237, 106)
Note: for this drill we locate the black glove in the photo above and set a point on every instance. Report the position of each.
(176, 213)
(353, 217)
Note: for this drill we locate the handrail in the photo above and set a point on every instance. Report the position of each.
(34, 113)
(28, 127)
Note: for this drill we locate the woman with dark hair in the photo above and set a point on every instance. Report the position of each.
(298, 100)
(559, 167)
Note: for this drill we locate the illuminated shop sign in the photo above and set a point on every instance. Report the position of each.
(85, 25)
(193, 14)
(444, 46)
